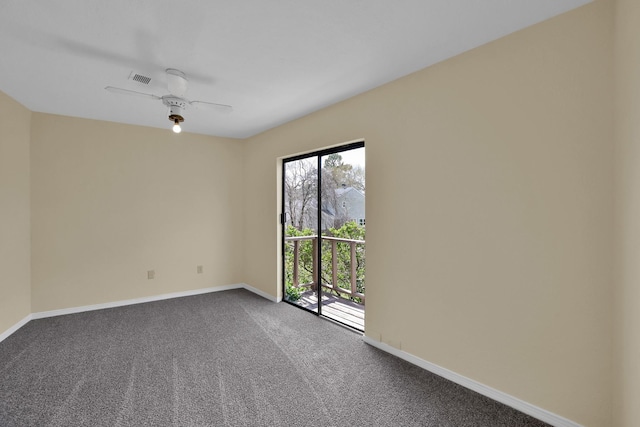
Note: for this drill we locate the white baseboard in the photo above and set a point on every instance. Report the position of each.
(520, 405)
(122, 303)
(261, 293)
(72, 310)
(514, 402)
(11, 330)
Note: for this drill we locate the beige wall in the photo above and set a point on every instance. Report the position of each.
(489, 211)
(111, 201)
(15, 243)
(489, 199)
(627, 302)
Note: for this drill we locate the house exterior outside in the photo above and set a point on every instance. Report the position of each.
(349, 206)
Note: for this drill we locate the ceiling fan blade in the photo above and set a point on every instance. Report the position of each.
(223, 108)
(131, 92)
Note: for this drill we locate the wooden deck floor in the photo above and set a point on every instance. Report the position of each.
(339, 309)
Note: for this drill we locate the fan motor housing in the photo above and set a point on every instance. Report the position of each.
(176, 107)
(174, 110)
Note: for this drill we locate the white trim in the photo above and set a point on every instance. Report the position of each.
(72, 310)
(11, 330)
(61, 312)
(263, 294)
(122, 303)
(514, 402)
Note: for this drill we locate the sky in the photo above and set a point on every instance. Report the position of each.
(353, 157)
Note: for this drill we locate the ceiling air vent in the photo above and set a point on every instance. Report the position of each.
(139, 78)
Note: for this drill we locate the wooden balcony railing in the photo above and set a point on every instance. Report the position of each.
(295, 241)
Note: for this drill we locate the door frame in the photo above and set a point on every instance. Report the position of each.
(319, 154)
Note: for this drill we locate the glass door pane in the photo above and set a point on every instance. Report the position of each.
(343, 236)
(301, 232)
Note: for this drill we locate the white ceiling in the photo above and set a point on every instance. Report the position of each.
(274, 61)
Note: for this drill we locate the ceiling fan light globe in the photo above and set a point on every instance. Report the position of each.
(176, 82)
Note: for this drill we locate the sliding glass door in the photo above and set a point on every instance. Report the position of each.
(323, 216)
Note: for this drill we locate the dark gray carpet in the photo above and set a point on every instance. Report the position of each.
(223, 359)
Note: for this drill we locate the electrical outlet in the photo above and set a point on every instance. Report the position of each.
(200, 269)
(151, 274)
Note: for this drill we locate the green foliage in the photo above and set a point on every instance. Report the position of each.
(305, 266)
(333, 161)
(291, 293)
(337, 173)
(294, 232)
(351, 231)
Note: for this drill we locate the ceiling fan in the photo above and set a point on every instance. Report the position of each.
(177, 84)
